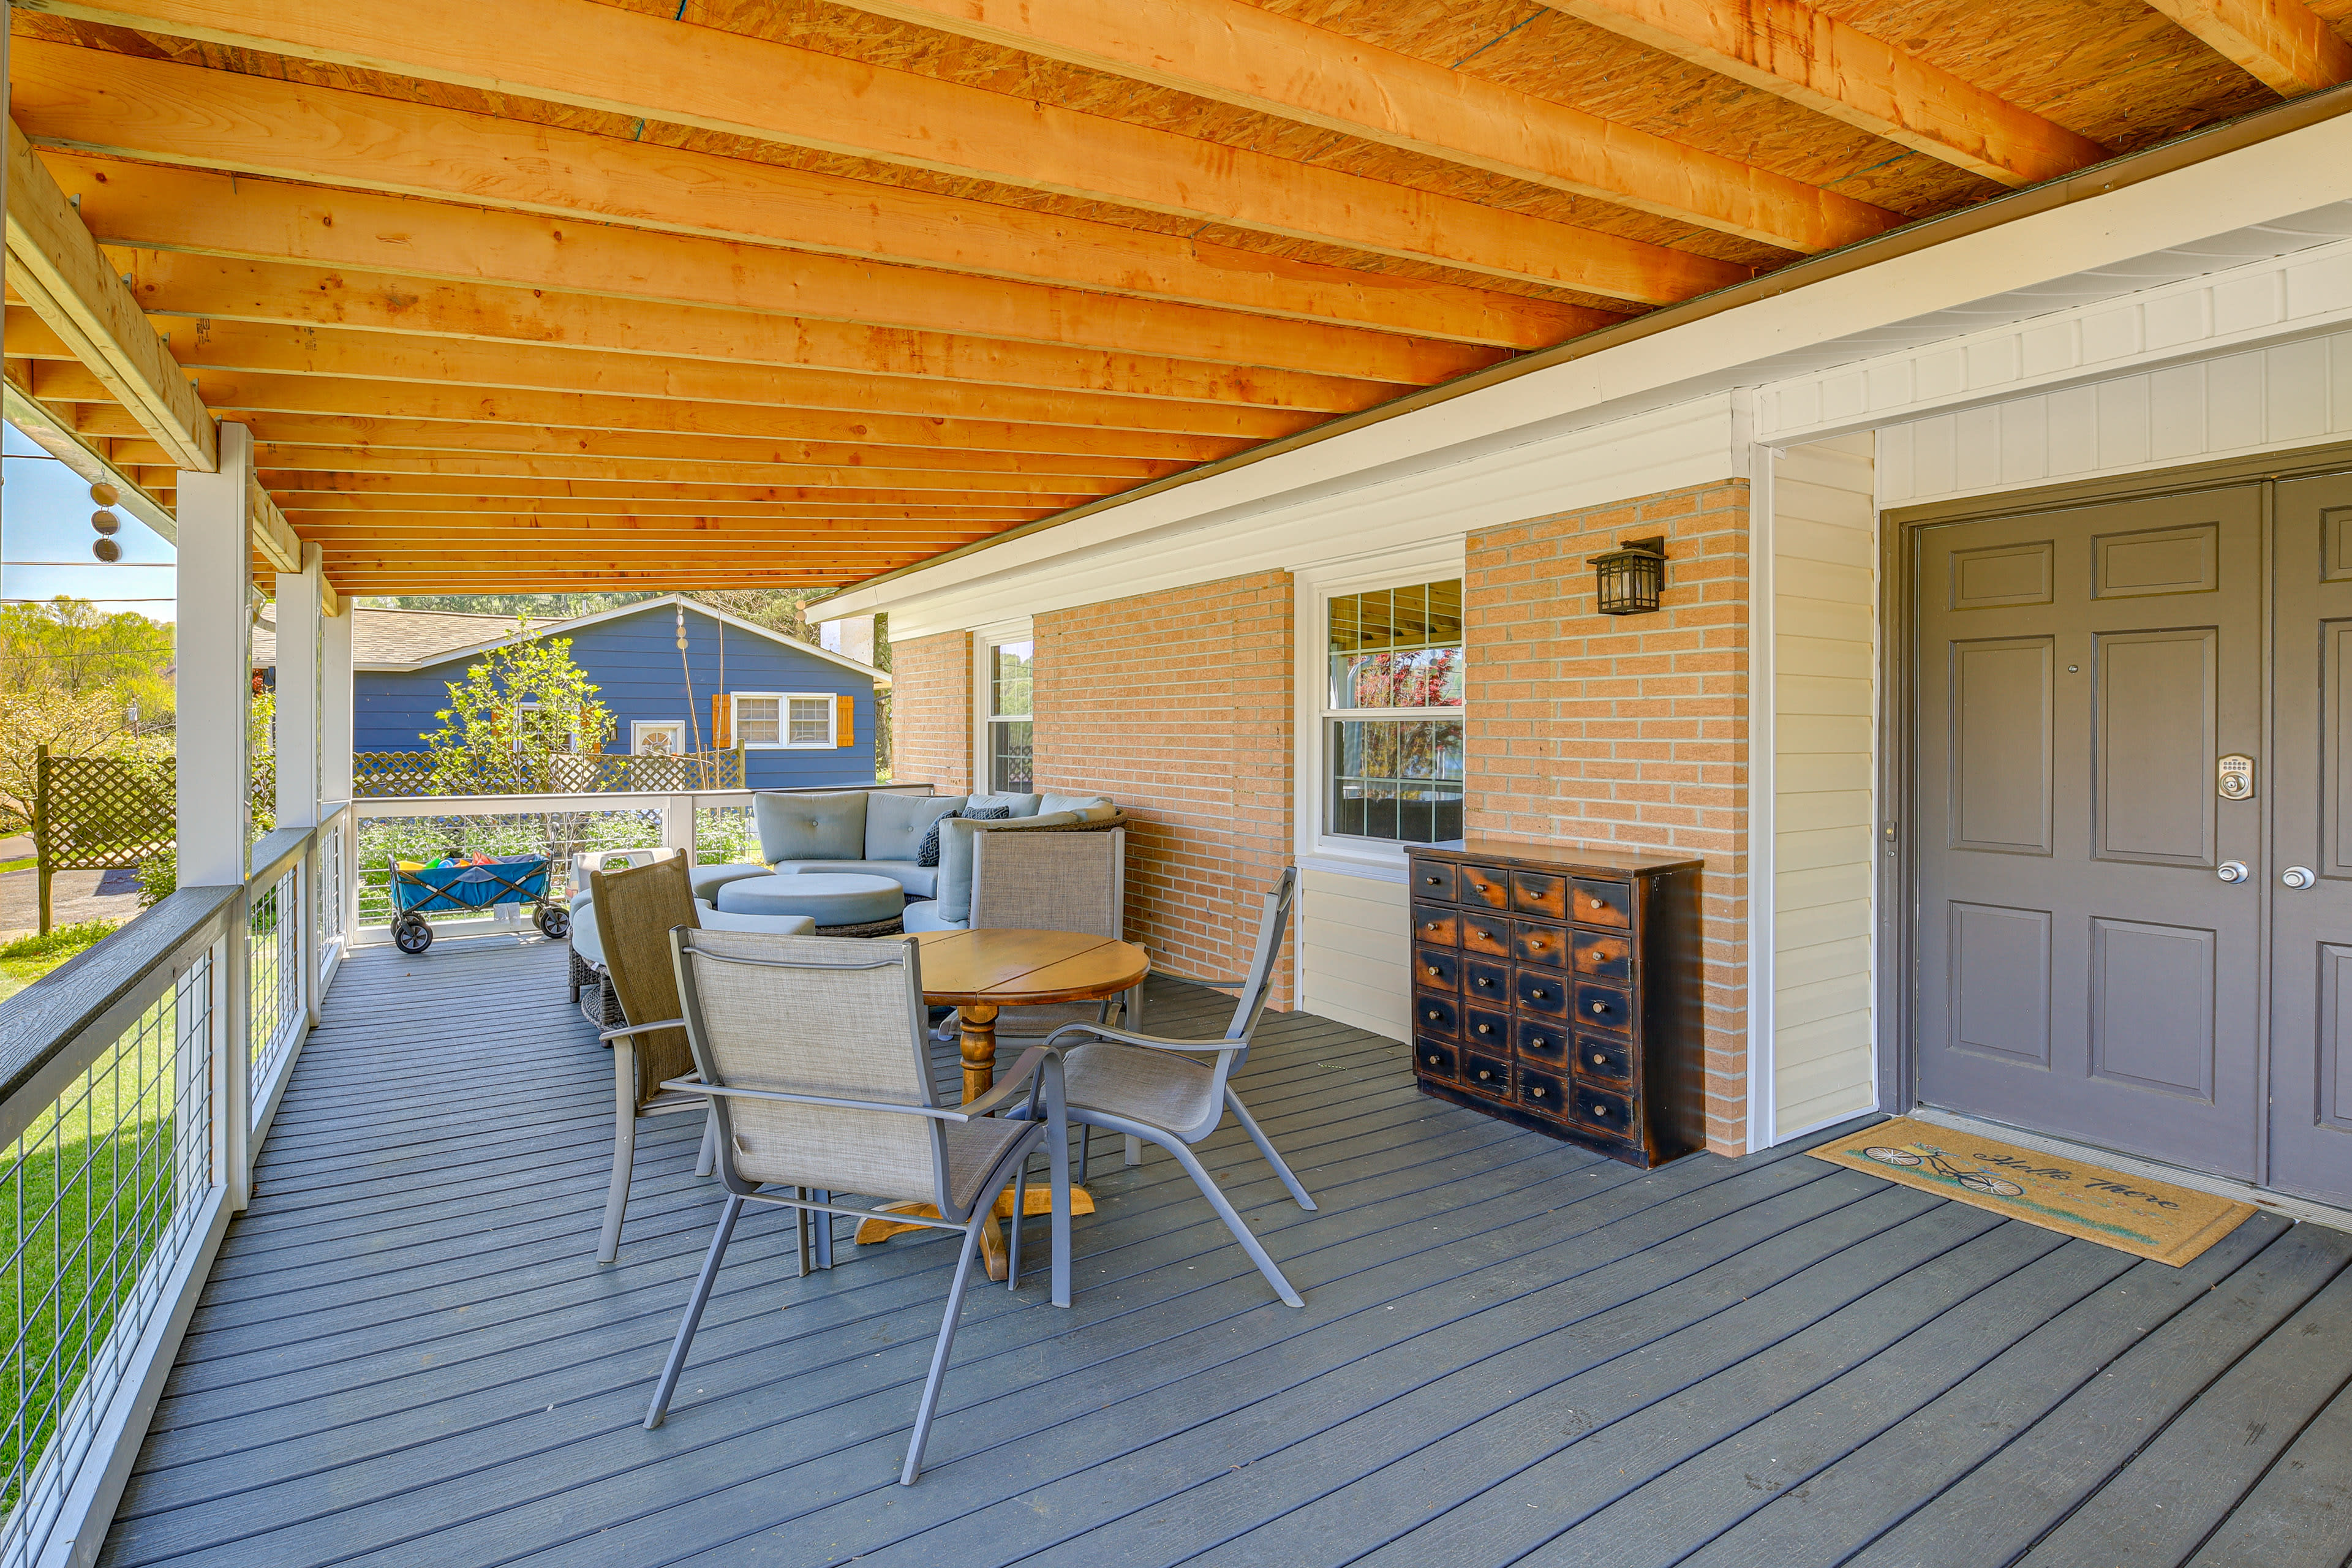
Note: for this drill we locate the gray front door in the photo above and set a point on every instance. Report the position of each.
(2311, 938)
(2081, 968)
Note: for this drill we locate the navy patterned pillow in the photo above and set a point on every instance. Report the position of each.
(928, 855)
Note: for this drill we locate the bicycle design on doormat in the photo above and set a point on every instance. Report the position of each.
(1977, 1180)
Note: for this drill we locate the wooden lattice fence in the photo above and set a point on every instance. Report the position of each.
(377, 775)
(98, 814)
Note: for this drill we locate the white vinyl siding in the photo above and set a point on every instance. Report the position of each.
(1825, 599)
(1354, 959)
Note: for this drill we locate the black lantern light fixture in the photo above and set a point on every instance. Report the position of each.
(1629, 580)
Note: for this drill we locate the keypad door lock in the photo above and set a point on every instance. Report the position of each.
(2233, 777)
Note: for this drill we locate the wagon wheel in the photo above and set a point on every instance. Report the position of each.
(554, 922)
(411, 934)
(1886, 1156)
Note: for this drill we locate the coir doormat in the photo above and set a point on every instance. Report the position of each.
(2153, 1219)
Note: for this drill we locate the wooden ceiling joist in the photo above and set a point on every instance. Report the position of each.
(1238, 53)
(2282, 44)
(1791, 50)
(239, 349)
(602, 58)
(390, 448)
(299, 487)
(572, 239)
(823, 288)
(59, 271)
(264, 402)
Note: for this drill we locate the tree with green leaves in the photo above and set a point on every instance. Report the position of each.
(519, 709)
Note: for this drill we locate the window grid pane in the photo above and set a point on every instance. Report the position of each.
(1011, 765)
(756, 722)
(812, 721)
(1398, 648)
(1011, 680)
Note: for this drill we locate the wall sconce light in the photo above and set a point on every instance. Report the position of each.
(1629, 578)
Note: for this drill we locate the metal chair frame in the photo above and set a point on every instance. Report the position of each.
(1230, 1050)
(1038, 1072)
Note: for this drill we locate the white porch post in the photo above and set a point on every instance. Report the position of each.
(299, 688)
(214, 657)
(335, 706)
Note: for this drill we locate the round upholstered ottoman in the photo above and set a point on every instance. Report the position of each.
(841, 904)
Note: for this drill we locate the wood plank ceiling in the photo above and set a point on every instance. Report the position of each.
(536, 294)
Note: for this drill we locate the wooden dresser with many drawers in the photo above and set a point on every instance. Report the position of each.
(1558, 989)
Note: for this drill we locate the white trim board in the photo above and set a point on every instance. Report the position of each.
(2231, 208)
(560, 629)
(2275, 300)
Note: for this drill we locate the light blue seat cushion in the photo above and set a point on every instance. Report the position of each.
(707, 882)
(811, 827)
(925, 916)
(588, 944)
(830, 898)
(1022, 804)
(715, 919)
(896, 823)
(1083, 803)
(955, 859)
(920, 882)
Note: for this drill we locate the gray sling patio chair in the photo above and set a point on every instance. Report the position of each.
(1054, 881)
(1153, 1089)
(841, 1100)
(635, 908)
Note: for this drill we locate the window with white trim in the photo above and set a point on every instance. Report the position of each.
(1390, 713)
(765, 720)
(658, 737)
(1010, 731)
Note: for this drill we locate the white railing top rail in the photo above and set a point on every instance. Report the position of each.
(600, 800)
(52, 1031)
(276, 851)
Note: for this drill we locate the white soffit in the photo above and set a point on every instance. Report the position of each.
(2289, 193)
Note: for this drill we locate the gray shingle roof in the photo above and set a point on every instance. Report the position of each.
(394, 636)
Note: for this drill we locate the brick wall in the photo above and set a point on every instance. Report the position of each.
(930, 711)
(1178, 705)
(1629, 731)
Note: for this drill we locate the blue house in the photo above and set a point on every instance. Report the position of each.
(805, 716)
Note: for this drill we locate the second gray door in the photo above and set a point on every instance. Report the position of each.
(2081, 966)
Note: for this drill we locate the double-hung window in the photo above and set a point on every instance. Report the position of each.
(1392, 714)
(1010, 733)
(766, 720)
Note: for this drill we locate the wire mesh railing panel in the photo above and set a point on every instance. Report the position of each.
(273, 958)
(327, 903)
(725, 836)
(100, 1197)
(422, 841)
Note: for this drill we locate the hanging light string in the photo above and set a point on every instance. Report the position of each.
(687, 671)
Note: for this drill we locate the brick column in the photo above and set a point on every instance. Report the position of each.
(930, 711)
(1178, 706)
(1625, 732)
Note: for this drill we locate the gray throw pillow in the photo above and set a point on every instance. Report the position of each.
(896, 825)
(810, 826)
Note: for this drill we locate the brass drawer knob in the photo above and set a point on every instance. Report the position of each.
(1485, 1028)
(1484, 1075)
(1538, 1043)
(1432, 1015)
(1539, 993)
(1601, 1007)
(1432, 881)
(1434, 970)
(1600, 1060)
(1536, 1089)
(1486, 935)
(1599, 1110)
(1484, 982)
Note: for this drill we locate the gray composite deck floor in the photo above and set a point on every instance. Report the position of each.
(1512, 1351)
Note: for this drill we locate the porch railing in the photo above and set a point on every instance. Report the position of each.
(123, 1112)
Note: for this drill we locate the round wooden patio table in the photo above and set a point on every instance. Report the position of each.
(979, 973)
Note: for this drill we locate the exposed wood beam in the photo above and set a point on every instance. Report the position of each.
(391, 447)
(253, 348)
(601, 57)
(2282, 44)
(57, 269)
(644, 498)
(467, 478)
(241, 348)
(266, 396)
(1238, 53)
(404, 513)
(142, 497)
(890, 301)
(1790, 51)
(273, 539)
(199, 209)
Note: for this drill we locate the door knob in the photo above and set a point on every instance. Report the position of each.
(2231, 870)
(2298, 876)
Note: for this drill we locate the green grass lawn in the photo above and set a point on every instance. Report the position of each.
(85, 1194)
